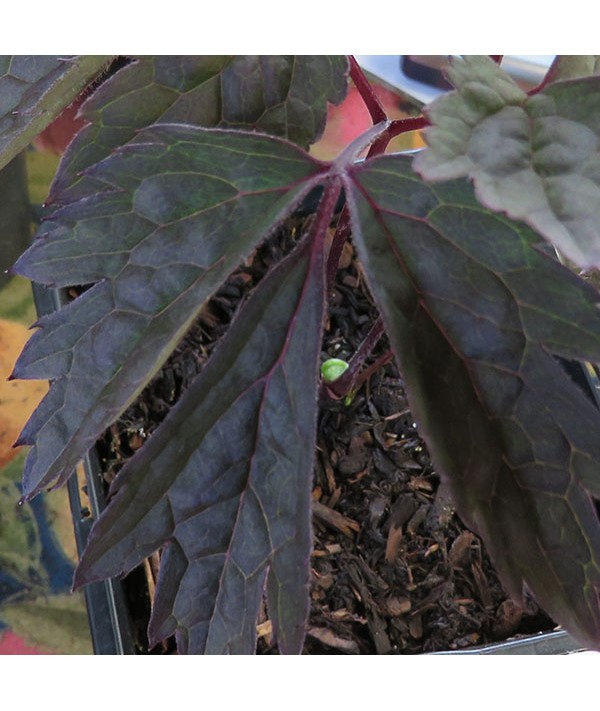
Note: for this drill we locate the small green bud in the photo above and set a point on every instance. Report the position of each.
(332, 369)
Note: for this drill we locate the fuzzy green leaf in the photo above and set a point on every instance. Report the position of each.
(474, 311)
(182, 208)
(536, 158)
(225, 481)
(574, 66)
(34, 90)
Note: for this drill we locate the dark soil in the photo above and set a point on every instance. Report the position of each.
(394, 571)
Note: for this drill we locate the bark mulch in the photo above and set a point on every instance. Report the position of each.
(394, 571)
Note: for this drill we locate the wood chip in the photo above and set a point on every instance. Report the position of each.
(415, 627)
(402, 510)
(416, 520)
(482, 585)
(442, 510)
(507, 620)
(460, 548)
(344, 614)
(149, 580)
(264, 629)
(326, 636)
(329, 473)
(377, 628)
(377, 508)
(432, 549)
(334, 498)
(151, 568)
(420, 484)
(333, 548)
(336, 520)
(319, 553)
(397, 606)
(347, 256)
(392, 546)
(324, 581)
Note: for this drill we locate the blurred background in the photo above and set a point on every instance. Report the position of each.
(38, 614)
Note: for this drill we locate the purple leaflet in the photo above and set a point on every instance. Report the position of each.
(184, 208)
(225, 481)
(474, 310)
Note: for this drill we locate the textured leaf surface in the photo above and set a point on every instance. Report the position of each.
(282, 96)
(33, 92)
(474, 312)
(225, 481)
(537, 158)
(182, 209)
(573, 66)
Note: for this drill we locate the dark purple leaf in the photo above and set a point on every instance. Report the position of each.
(283, 96)
(34, 90)
(475, 310)
(225, 481)
(182, 209)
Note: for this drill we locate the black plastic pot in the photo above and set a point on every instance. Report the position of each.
(558, 642)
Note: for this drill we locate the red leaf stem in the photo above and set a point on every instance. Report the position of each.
(337, 245)
(366, 92)
(373, 368)
(350, 379)
(396, 128)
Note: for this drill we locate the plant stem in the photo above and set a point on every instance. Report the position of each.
(340, 236)
(393, 128)
(324, 215)
(396, 128)
(346, 381)
(366, 92)
(389, 130)
(360, 144)
(548, 78)
(373, 368)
